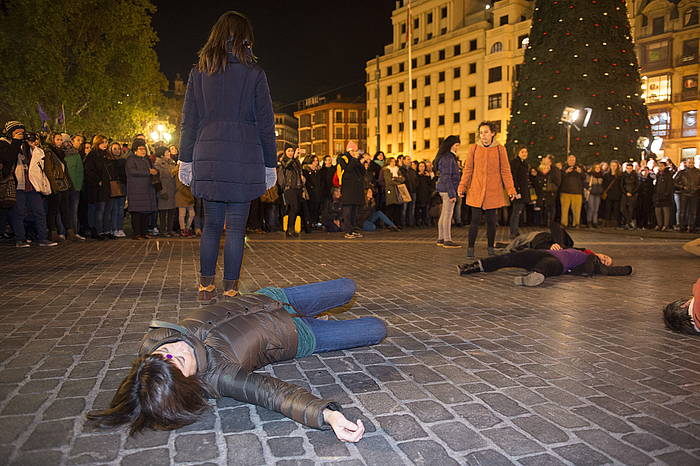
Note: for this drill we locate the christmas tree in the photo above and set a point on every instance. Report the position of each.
(580, 54)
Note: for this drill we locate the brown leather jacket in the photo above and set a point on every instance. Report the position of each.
(232, 340)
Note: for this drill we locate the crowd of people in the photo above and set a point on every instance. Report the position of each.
(69, 188)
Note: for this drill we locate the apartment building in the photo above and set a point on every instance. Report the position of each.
(327, 124)
(666, 35)
(285, 130)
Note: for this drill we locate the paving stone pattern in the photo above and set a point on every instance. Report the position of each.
(474, 371)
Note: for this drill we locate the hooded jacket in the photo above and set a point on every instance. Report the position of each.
(486, 175)
(234, 339)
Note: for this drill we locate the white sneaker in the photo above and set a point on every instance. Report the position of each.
(120, 234)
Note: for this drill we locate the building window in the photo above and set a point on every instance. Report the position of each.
(388, 148)
(414, 125)
(690, 17)
(305, 120)
(441, 98)
(443, 31)
(495, 101)
(388, 129)
(416, 23)
(690, 52)
(441, 76)
(441, 120)
(455, 117)
(426, 101)
(414, 62)
(414, 104)
(403, 28)
(401, 147)
(523, 41)
(353, 117)
(389, 70)
(690, 87)
(426, 80)
(472, 45)
(657, 89)
(403, 45)
(339, 132)
(497, 47)
(402, 67)
(495, 74)
(657, 55)
(456, 94)
(457, 49)
(517, 71)
(401, 127)
(443, 12)
(388, 109)
(426, 144)
(457, 72)
(388, 90)
(353, 133)
(338, 117)
(660, 122)
(427, 59)
(472, 138)
(426, 122)
(472, 91)
(414, 83)
(657, 26)
(472, 114)
(400, 106)
(503, 20)
(429, 18)
(401, 87)
(689, 126)
(441, 54)
(429, 36)
(472, 68)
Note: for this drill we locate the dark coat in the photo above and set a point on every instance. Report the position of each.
(520, 170)
(595, 183)
(448, 181)
(233, 340)
(289, 174)
(313, 183)
(663, 189)
(424, 189)
(688, 181)
(327, 181)
(629, 183)
(116, 168)
(9, 150)
(352, 187)
(613, 187)
(573, 181)
(168, 172)
(228, 132)
(96, 176)
(410, 175)
(140, 193)
(393, 197)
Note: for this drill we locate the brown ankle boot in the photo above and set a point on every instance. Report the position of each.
(207, 290)
(230, 288)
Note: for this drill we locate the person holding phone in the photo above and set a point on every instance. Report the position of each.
(227, 145)
(291, 181)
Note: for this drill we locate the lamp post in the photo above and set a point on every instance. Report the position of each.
(569, 117)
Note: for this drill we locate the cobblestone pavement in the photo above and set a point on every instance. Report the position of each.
(474, 371)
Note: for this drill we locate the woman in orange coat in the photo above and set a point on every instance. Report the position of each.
(485, 176)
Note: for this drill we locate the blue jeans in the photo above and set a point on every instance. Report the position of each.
(370, 223)
(117, 207)
(235, 216)
(29, 200)
(96, 215)
(73, 202)
(334, 335)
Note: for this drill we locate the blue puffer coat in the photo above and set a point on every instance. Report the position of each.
(228, 132)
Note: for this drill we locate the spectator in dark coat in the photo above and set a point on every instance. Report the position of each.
(140, 193)
(290, 180)
(663, 197)
(687, 182)
(116, 163)
(424, 190)
(227, 144)
(448, 180)
(97, 187)
(520, 170)
(613, 194)
(352, 188)
(571, 191)
(312, 174)
(629, 181)
(645, 196)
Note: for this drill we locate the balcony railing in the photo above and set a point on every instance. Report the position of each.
(677, 133)
(687, 60)
(686, 96)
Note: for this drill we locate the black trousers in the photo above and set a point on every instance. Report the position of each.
(532, 260)
(349, 217)
(166, 220)
(491, 218)
(139, 222)
(688, 208)
(292, 198)
(627, 207)
(58, 204)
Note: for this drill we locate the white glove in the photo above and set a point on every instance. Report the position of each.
(270, 177)
(185, 173)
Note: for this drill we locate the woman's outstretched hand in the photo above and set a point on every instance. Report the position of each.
(345, 430)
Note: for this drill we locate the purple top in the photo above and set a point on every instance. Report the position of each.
(569, 258)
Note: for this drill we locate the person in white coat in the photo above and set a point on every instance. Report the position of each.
(31, 184)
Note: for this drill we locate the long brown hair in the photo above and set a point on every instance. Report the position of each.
(232, 32)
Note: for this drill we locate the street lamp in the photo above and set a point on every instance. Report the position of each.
(569, 117)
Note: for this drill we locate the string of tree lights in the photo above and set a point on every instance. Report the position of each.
(580, 54)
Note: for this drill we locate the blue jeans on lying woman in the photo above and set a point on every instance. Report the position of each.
(371, 223)
(331, 335)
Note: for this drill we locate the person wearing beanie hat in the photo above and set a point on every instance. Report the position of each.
(11, 127)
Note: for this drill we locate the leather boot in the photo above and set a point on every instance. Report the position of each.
(53, 235)
(469, 268)
(230, 288)
(207, 290)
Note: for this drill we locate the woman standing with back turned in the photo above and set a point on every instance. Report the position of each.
(227, 144)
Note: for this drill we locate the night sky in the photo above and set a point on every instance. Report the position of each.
(305, 46)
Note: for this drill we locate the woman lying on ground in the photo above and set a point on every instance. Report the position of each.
(683, 315)
(214, 351)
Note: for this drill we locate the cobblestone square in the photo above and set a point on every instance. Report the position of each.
(474, 371)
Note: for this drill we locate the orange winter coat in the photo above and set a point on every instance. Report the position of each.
(485, 176)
